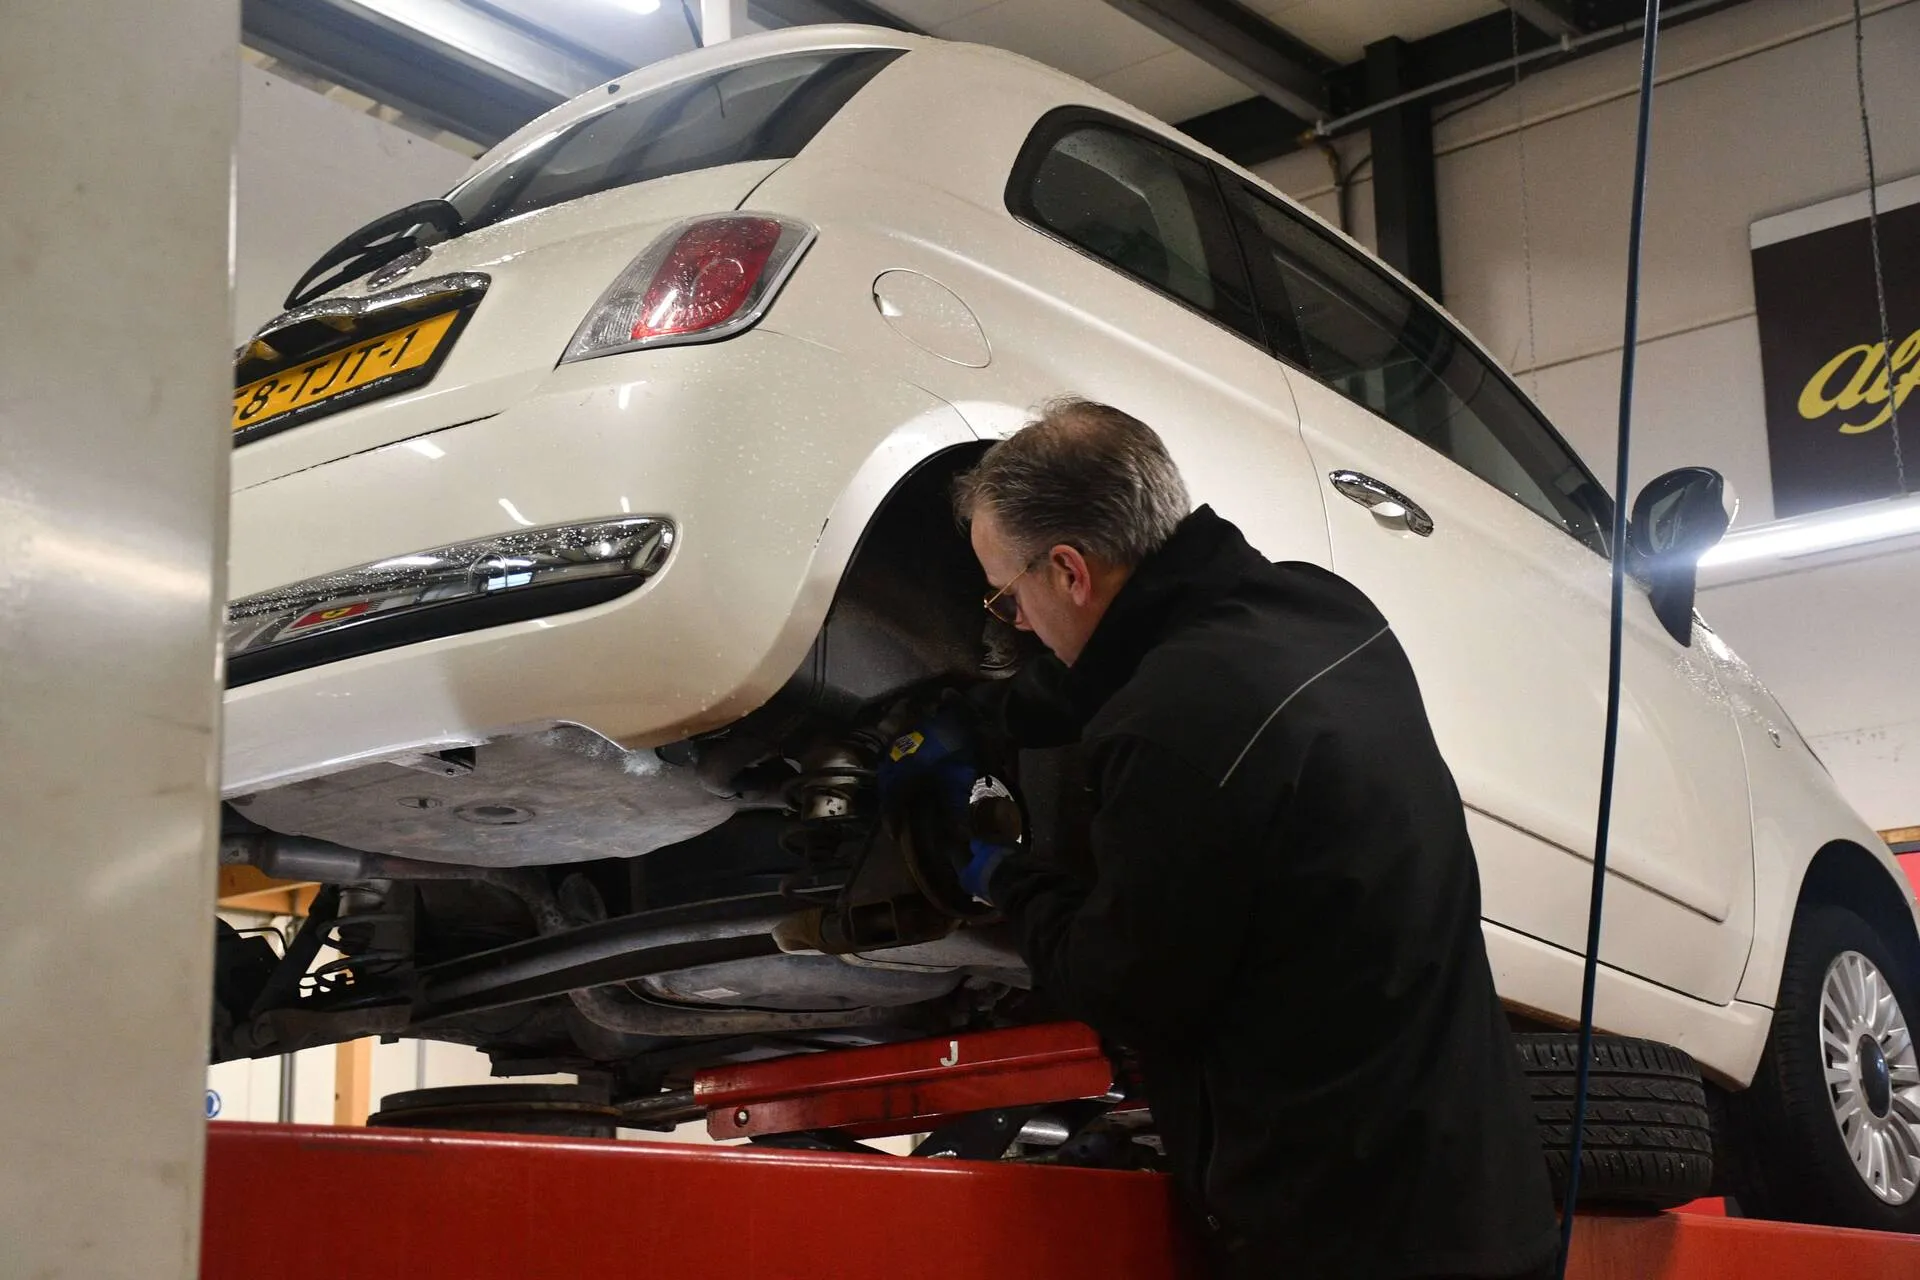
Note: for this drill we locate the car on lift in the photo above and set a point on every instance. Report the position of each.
(588, 522)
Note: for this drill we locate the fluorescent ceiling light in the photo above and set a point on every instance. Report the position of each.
(1822, 531)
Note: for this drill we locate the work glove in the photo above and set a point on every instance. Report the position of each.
(937, 749)
(994, 832)
(935, 769)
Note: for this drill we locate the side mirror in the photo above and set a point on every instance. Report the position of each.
(1676, 519)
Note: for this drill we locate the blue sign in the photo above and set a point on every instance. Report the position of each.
(213, 1104)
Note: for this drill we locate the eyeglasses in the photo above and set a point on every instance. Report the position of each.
(1006, 607)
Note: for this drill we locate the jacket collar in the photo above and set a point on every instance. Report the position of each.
(1204, 560)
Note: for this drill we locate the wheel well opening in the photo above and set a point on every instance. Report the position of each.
(1843, 874)
(913, 573)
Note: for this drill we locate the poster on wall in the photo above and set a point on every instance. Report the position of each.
(1832, 386)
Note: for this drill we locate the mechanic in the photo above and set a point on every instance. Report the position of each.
(1284, 924)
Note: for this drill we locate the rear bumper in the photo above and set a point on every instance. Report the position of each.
(767, 454)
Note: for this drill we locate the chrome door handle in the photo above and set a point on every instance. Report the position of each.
(1383, 500)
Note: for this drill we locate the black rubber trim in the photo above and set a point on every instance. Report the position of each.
(617, 949)
(428, 622)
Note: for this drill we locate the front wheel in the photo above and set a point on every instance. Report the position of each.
(1830, 1130)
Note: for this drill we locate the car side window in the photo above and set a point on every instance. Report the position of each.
(1139, 205)
(1374, 341)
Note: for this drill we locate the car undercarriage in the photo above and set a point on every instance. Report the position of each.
(565, 903)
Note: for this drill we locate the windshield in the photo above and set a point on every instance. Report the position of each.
(764, 110)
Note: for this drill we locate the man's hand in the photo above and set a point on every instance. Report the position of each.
(965, 815)
(938, 748)
(994, 831)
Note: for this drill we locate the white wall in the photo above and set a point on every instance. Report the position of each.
(1755, 114)
(308, 171)
(249, 1088)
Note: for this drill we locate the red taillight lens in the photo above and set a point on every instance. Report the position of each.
(705, 279)
(707, 276)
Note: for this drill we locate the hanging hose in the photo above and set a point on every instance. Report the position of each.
(1617, 548)
(1873, 241)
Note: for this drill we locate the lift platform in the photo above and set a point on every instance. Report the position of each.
(314, 1203)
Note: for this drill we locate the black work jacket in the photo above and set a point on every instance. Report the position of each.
(1284, 923)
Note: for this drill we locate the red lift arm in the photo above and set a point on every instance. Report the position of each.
(322, 1204)
(904, 1088)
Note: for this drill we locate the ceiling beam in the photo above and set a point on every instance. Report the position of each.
(1549, 17)
(1248, 132)
(491, 44)
(1239, 42)
(1478, 54)
(426, 79)
(1469, 58)
(797, 13)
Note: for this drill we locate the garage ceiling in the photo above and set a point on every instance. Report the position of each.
(1087, 38)
(1245, 76)
(1342, 29)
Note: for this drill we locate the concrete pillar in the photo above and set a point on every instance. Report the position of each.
(722, 20)
(117, 120)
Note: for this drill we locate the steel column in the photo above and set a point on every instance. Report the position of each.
(1406, 206)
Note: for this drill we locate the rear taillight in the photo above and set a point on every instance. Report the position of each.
(705, 279)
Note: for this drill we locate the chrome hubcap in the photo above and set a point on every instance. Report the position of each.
(1873, 1076)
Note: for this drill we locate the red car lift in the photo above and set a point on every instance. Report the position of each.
(312, 1203)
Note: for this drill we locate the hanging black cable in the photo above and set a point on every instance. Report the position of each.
(1649, 48)
(1873, 240)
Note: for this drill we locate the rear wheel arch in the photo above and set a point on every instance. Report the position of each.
(904, 611)
(913, 560)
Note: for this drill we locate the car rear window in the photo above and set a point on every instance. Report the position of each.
(765, 110)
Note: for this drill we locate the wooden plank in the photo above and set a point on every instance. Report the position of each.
(353, 1082)
(244, 888)
(240, 879)
(1901, 835)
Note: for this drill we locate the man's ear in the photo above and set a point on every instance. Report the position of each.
(1079, 573)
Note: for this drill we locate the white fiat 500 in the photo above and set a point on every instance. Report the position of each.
(587, 522)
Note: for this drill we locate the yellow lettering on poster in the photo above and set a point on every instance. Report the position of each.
(1866, 371)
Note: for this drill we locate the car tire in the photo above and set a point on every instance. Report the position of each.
(1793, 1160)
(1648, 1141)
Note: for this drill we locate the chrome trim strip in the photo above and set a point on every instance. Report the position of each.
(456, 282)
(626, 546)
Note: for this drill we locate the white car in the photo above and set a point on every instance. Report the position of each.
(599, 511)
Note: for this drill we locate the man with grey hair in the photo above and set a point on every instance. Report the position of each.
(1284, 921)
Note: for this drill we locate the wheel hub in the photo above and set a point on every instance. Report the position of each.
(1872, 1076)
(1875, 1080)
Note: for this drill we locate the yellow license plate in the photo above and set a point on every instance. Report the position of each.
(340, 372)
